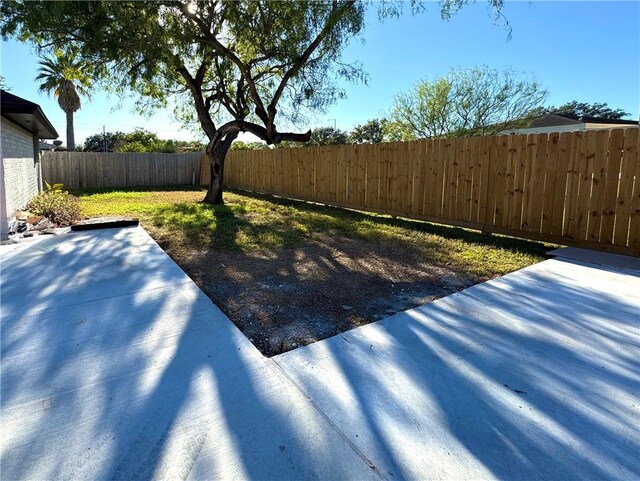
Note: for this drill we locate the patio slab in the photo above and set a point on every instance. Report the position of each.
(532, 376)
(597, 257)
(116, 366)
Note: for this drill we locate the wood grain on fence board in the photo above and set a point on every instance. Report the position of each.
(628, 170)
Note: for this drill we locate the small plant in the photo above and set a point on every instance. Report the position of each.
(56, 204)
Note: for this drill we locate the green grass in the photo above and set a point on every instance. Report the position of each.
(249, 222)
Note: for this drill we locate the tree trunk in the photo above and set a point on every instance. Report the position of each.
(214, 192)
(217, 153)
(71, 141)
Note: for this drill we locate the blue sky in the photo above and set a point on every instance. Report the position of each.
(588, 51)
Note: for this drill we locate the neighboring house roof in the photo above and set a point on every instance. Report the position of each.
(553, 120)
(45, 146)
(27, 115)
(549, 123)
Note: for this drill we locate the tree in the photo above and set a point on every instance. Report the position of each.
(238, 66)
(66, 77)
(372, 132)
(328, 136)
(584, 109)
(96, 142)
(3, 83)
(479, 101)
(239, 145)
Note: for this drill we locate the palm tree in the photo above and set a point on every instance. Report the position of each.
(67, 79)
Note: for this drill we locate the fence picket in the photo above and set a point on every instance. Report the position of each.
(629, 172)
(611, 183)
(597, 190)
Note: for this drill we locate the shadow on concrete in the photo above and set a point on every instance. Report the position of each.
(532, 376)
(115, 366)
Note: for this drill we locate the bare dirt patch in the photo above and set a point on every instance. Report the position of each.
(292, 296)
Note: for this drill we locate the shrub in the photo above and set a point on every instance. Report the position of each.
(57, 205)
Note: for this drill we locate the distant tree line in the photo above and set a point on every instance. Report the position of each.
(597, 110)
(140, 140)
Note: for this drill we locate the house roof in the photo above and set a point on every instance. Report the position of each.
(27, 115)
(597, 120)
(46, 146)
(553, 120)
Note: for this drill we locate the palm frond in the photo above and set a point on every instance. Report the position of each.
(64, 76)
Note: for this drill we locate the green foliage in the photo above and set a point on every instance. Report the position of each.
(247, 60)
(599, 110)
(226, 61)
(140, 140)
(56, 204)
(67, 77)
(55, 187)
(96, 142)
(328, 136)
(394, 132)
(372, 132)
(479, 101)
(135, 146)
(239, 145)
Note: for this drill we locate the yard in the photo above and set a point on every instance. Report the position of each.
(289, 273)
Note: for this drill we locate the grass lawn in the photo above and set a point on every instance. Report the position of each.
(289, 272)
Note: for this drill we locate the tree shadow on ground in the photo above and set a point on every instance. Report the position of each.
(524, 378)
(289, 296)
(114, 366)
(448, 232)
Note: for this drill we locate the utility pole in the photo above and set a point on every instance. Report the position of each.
(104, 138)
(334, 124)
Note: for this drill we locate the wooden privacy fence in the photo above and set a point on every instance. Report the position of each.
(577, 188)
(79, 170)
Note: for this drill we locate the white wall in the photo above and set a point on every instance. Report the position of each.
(19, 173)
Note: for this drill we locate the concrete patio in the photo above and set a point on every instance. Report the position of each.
(535, 375)
(116, 366)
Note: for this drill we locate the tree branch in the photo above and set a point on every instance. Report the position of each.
(236, 126)
(334, 16)
(196, 92)
(244, 70)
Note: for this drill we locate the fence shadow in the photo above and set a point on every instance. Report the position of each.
(449, 232)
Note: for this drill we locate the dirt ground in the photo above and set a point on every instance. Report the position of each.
(289, 297)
